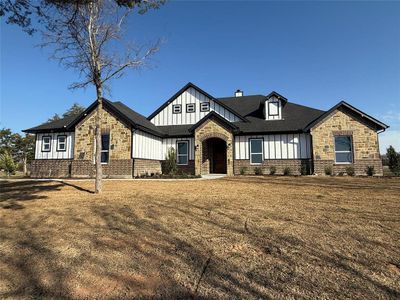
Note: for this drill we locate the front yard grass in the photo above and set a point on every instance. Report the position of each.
(241, 237)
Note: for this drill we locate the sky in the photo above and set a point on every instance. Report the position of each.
(313, 53)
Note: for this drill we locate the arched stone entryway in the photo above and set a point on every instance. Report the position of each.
(211, 137)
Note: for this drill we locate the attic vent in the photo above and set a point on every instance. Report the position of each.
(238, 93)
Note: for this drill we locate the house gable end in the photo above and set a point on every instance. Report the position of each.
(186, 107)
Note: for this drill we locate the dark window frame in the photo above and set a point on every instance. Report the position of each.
(262, 151)
(351, 150)
(50, 138)
(58, 143)
(269, 109)
(194, 108)
(177, 105)
(105, 151)
(207, 108)
(177, 152)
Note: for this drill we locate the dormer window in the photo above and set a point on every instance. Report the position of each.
(176, 109)
(273, 108)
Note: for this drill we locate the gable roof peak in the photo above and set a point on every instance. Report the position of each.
(277, 95)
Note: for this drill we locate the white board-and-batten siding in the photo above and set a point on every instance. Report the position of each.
(53, 153)
(148, 146)
(276, 146)
(191, 95)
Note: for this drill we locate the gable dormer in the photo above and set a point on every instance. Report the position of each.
(273, 106)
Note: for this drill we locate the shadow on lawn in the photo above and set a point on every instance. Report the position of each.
(322, 182)
(13, 193)
(172, 264)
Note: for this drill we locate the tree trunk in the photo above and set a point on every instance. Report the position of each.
(99, 171)
(24, 160)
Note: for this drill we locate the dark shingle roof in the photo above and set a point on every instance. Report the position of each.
(129, 116)
(136, 119)
(295, 117)
(58, 125)
(175, 130)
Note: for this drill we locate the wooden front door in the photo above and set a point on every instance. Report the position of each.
(218, 156)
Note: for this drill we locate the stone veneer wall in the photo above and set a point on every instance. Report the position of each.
(120, 162)
(120, 137)
(365, 144)
(280, 164)
(212, 129)
(50, 168)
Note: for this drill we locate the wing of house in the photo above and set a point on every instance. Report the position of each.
(230, 135)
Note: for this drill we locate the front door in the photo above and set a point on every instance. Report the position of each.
(219, 156)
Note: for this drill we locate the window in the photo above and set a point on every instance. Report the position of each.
(46, 143)
(183, 152)
(105, 146)
(273, 109)
(343, 149)
(61, 143)
(205, 106)
(190, 107)
(256, 151)
(176, 109)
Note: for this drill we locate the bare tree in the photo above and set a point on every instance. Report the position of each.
(83, 36)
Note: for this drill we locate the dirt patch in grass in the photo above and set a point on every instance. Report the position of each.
(247, 237)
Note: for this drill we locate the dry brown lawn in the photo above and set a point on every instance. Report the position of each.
(242, 237)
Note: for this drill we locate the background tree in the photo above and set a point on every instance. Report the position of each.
(19, 148)
(74, 110)
(6, 140)
(83, 35)
(21, 12)
(7, 163)
(24, 150)
(393, 158)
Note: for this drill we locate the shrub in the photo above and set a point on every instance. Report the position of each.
(171, 166)
(328, 170)
(393, 160)
(257, 171)
(340, 174)
(370, 170)
(287, 171)
(243, 170)
(350, 171)
(303, 170)
(272, 170)
(7, 163)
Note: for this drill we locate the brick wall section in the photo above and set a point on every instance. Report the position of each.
(212, 129)
(116, 168)
(120, 137)
(359, 166)
(187, 169)
(143, 166)
(50, 168)
(365, 144)
(280, 164)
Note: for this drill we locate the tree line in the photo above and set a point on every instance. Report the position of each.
(17, 151)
